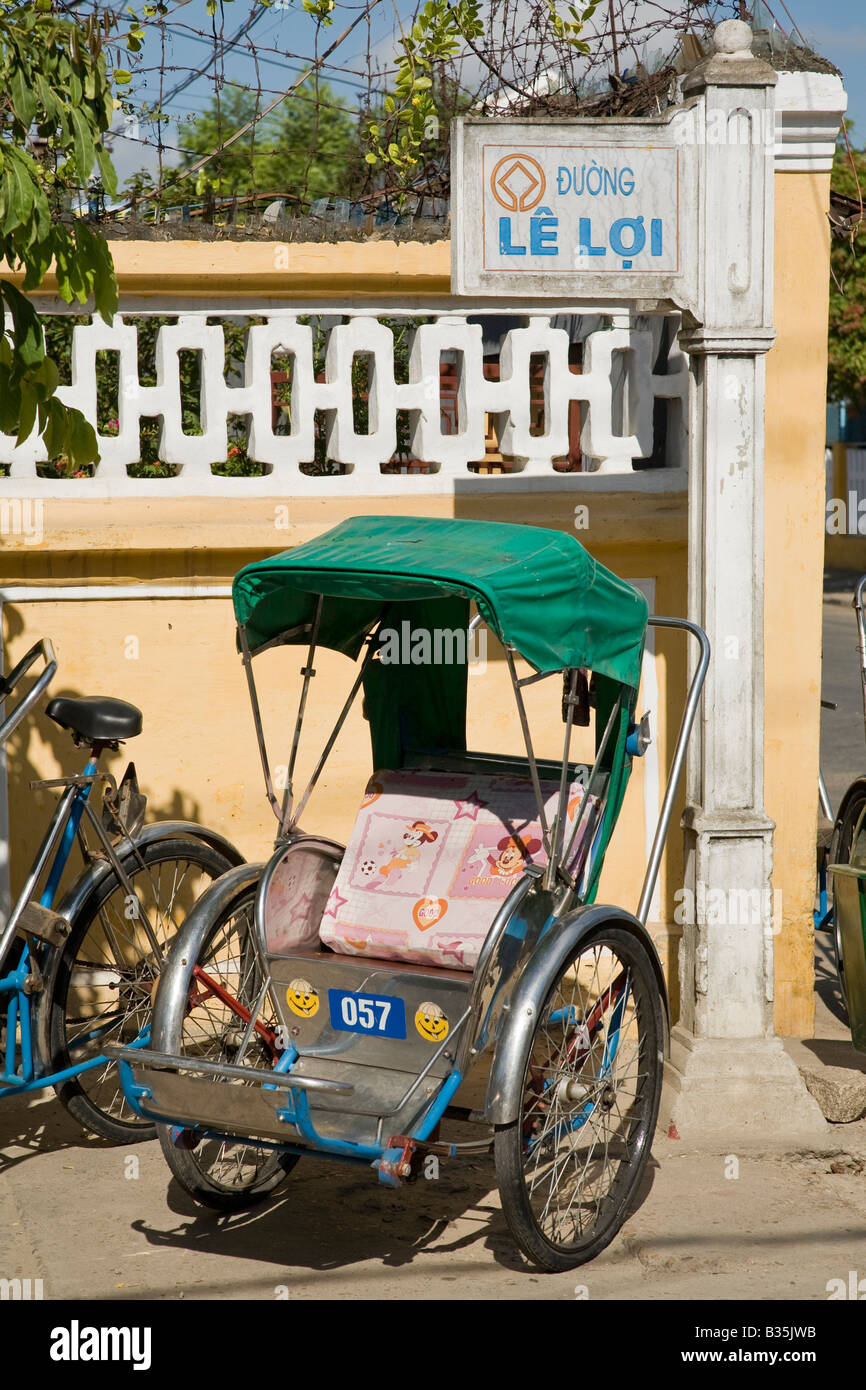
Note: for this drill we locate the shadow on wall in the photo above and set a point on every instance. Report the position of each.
(30, 810)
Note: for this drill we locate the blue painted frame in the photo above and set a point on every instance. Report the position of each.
(22, 1067)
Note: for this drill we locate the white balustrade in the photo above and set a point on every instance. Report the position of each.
(617, 388)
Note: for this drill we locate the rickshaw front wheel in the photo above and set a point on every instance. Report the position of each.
(569, 1165)
(223, 1173)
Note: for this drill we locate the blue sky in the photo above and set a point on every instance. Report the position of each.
(836, 28)
(281, 30)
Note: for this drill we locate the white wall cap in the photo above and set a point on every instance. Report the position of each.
(809, 111)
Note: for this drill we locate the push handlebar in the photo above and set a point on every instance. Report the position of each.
(8, 683)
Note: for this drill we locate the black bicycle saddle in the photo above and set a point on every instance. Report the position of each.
(97, 718)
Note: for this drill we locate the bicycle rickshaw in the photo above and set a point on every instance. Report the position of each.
(331, 1000)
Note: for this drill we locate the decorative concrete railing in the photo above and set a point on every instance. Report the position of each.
(518, 389)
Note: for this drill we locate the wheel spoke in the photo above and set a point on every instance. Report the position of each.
(105, 989)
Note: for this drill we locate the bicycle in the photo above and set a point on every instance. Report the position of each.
(80, 969)
(840, 839)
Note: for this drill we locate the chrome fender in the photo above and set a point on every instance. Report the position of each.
(502, 1104)
(100, 869)
(173, 988)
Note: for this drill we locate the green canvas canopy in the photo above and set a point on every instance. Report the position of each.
(537, 589)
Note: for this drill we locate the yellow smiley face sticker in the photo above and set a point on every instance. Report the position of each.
(431, 1022)
(302, 998)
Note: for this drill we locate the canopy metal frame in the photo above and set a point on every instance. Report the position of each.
(592, 809)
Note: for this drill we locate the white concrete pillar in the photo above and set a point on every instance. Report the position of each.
(728, 1076)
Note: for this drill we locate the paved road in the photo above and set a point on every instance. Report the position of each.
(843, 747)
(92, 1225)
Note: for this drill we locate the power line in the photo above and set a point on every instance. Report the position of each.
(250, 125)
(254, 16)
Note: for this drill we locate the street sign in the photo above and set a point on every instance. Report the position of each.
(586, 208)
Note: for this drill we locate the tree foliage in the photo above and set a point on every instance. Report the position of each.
(307, 148)
(444, 30)
(54, 84)
(846, 378)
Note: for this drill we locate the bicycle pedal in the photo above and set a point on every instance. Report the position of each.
(44, 924)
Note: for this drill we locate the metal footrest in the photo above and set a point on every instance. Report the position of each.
(252, 1103)
(256, 1076)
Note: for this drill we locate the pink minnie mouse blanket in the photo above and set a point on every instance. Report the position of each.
(431, 856)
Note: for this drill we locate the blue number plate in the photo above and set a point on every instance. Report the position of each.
(381, 1015)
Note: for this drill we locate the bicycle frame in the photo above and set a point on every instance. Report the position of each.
(21, 1064)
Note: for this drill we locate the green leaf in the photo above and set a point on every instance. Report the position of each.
(8, 402)
(47, 375)
(26, 411)
(81, 445)
(54, 435)
(85, 156)
(122, 76)
(371, 158)
(96, 257)
(106, 169)
(22, 96)
(26, 328)
(38, 261)
(22, 170)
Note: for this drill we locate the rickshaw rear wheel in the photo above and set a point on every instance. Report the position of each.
(568, 1166)
(223, 1173)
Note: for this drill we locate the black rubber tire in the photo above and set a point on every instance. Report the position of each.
(611, 1147)
(95, 1098)
(224, 1174)
(841, 845)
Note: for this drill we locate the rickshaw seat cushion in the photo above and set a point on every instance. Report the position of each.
(431, 857)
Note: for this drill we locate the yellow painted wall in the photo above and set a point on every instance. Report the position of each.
(197, 756)
(794, 511)
(176, 659)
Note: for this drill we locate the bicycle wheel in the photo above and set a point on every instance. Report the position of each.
(223, 1173)
(568, 1166)
(101, 988)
